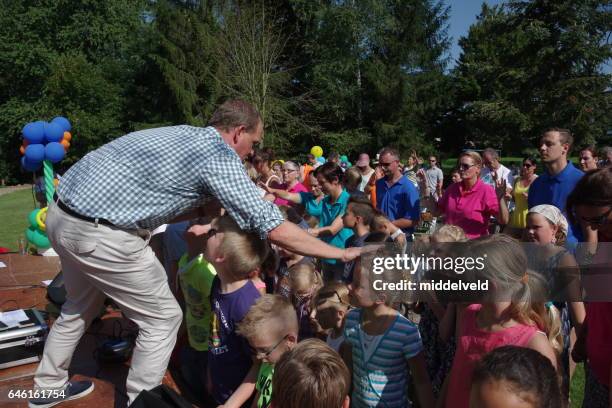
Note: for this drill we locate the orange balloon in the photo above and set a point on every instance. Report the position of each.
(67, 136)
(65, 143)
(25, 143)
(55, 182)
(22, 150)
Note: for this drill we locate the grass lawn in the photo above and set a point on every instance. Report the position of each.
(577, 386)
(14, 210)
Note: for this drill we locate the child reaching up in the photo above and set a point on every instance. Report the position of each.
(509, 315)
(384, 350)
(235, 254)
(271, 329)
(331, 305)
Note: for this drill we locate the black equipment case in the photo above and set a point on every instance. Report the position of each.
(23, 344)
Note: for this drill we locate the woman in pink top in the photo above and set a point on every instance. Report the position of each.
(498, 322)
(471, 203)
(291, 176)
(591, 203)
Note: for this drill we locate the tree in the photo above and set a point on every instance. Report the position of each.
(370, 66)
(528, 65)
(176, 84)
(251, 43)
(70, 57)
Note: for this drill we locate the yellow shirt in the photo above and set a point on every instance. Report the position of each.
(519, 215)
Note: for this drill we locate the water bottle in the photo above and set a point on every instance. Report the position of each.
(22, 245)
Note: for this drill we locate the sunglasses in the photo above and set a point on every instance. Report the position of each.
(385, 164)
(265, 353)
(599, 220)
(465, 166)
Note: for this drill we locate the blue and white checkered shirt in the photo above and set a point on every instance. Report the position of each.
(147, 178)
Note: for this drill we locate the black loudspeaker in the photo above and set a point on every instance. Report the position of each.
(56, 292)
(160, 397)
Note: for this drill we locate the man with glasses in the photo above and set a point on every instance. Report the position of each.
(434, 178)
(100, 223)
(493, 170)
(396, 196)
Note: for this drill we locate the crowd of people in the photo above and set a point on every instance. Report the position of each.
(272, 317)
(453, 353)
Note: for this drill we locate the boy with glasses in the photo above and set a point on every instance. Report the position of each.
(271, 328)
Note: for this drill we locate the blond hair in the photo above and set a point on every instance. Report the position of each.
(336, 293)
(303, 276)
(352, 178)
(507, 268)
(476, 158)
(269, 313)
(449, 233)
(311, 375)
(244, 251)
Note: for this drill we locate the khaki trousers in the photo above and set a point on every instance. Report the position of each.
(99, 261)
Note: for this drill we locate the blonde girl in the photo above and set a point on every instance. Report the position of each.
(509, 315)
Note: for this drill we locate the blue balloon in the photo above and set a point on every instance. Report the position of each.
(321, 159)
(63, 122)
(34, 132)
(28, 166)
(54, 152)
(53, 132)
(35, 153)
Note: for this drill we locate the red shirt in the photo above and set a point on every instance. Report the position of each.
(599, 339)
(469, 209)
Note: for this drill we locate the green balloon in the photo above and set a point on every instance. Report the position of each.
(32, 218)
(37, 238)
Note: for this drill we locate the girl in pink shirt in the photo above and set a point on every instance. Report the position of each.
(499, 322)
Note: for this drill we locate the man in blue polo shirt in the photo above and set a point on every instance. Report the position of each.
(559, 177)
(396, 196)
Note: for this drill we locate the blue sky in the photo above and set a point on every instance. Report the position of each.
(462, 14)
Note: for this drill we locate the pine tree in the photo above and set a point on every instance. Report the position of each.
(528, 65)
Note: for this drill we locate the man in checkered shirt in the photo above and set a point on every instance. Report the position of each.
(100, 224)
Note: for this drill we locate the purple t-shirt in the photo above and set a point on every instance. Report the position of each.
(229, 357)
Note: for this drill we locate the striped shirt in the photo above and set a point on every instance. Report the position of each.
(381, 380)
(147, 178)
